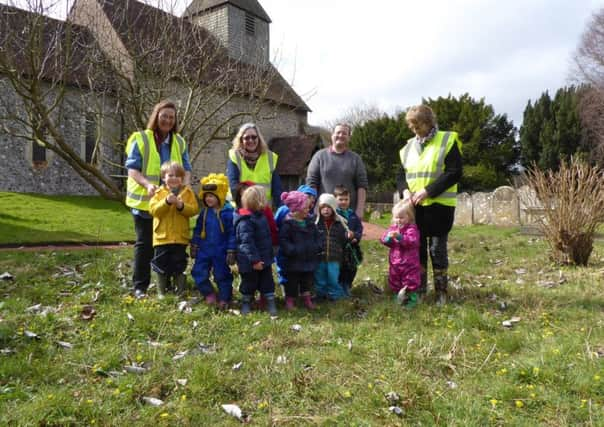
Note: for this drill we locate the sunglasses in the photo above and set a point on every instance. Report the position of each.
(250, 137)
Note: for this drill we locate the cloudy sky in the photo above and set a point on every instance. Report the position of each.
(391, 53)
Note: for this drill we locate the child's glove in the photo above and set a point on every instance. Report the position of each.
(231, 257)
(193, 250)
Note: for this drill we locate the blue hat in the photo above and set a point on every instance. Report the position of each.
(307, 189)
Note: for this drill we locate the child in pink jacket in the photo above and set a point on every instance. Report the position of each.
(402, 237)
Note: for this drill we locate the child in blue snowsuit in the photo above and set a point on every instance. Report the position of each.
(213, 244)
(280, 215)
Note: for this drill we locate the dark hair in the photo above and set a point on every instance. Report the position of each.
(340, 190)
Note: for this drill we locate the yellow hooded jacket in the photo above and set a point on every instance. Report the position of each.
(170, 225)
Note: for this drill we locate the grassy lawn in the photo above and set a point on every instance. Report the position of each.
(34, 218)
(453, 366)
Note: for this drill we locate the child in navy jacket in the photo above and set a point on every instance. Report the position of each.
(254, 250)
(299, 249)
(348, 270)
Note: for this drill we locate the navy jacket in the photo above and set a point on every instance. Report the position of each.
(354, 223)
(299, 245)
(253, 239)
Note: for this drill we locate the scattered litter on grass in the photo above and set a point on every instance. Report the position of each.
(236, 412)
(503, 306)
(237, 366)
(195, 324)
(135, 369)
(180, 355)
(515, 319)
(451, 384)
(95, 298)
(65, 344)
(507, 324)
(256, 323)
(87, 313)
(396, 410)
(520, 281)
(520, 271)
(154, 343)
(32, 335)
(182, 382)
(234, 311)
(153, 401)
(296, 328)
(6, 351)
(130, 317)
(206, 348)
(281, 360)
(34, 308)
(392, 397)
(184, 307)
(6, 276)
(349, 345)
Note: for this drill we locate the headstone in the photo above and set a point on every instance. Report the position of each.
(376, 215)
(530, 206)
(505, 207)
(463, 211)
(481, 208)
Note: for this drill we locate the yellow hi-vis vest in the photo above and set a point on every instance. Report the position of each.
(136, 195)
(423, 167)
(262, 173)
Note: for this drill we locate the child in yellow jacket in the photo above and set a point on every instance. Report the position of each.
(171, 206)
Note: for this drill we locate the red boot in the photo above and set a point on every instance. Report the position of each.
(308, 301)
(211, 299)
(290, 303)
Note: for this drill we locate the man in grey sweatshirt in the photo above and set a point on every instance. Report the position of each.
(337, 165)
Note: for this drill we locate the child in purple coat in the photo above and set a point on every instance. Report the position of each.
(402, 237)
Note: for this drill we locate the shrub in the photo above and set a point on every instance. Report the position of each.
(573, 207)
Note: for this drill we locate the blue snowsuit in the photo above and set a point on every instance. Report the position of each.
(212, 251)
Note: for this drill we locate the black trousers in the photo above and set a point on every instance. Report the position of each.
(143, 252)
(170, 260)
(298, 282)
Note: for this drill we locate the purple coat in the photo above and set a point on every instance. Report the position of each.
(405, 269)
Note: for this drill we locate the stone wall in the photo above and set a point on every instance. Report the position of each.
(505, 206)
(53, 176)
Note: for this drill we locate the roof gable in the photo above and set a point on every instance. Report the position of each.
(294, 153)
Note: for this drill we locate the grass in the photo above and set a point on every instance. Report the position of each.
(35, 218)
(452, 366)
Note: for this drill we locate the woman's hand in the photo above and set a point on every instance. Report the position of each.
(419, 197)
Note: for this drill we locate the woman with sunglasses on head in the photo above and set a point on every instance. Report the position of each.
(251, 160)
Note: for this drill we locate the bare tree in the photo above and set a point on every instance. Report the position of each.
(117, 59)
(588, 70)
(357, 115)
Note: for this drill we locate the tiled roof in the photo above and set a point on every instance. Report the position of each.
(185, 38)
(294, 153)
(252, 6)
(67, 52)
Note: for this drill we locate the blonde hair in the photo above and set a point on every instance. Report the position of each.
(238, 140)
(421, 114)
(254, 198)
(172, 166)
(404, 206)
(153, 118)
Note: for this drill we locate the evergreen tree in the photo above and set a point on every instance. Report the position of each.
(551, 130)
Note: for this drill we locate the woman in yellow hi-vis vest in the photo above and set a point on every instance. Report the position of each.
(147, 150)
(431, 168)
(251, 160)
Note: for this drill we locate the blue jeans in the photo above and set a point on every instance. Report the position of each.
(327, 282)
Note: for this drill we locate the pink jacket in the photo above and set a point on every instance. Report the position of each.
(405, 269)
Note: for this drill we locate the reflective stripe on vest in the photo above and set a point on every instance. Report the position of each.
(136, 195)
(424, 166)
(259, 176)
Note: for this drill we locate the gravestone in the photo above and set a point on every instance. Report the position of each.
(463, 211)
(505, 207)
(481, 208)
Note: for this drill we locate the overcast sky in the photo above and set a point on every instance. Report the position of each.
(391, 53)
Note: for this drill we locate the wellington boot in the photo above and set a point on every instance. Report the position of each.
(163, 283)
(246, 304)
(271, 306)
(412, 300)
(180, 284)
(307, 301)
(290, 303)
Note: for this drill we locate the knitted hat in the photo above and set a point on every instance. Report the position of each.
(327, 199)
(307, 189)
(296, 201)
(216, 184)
